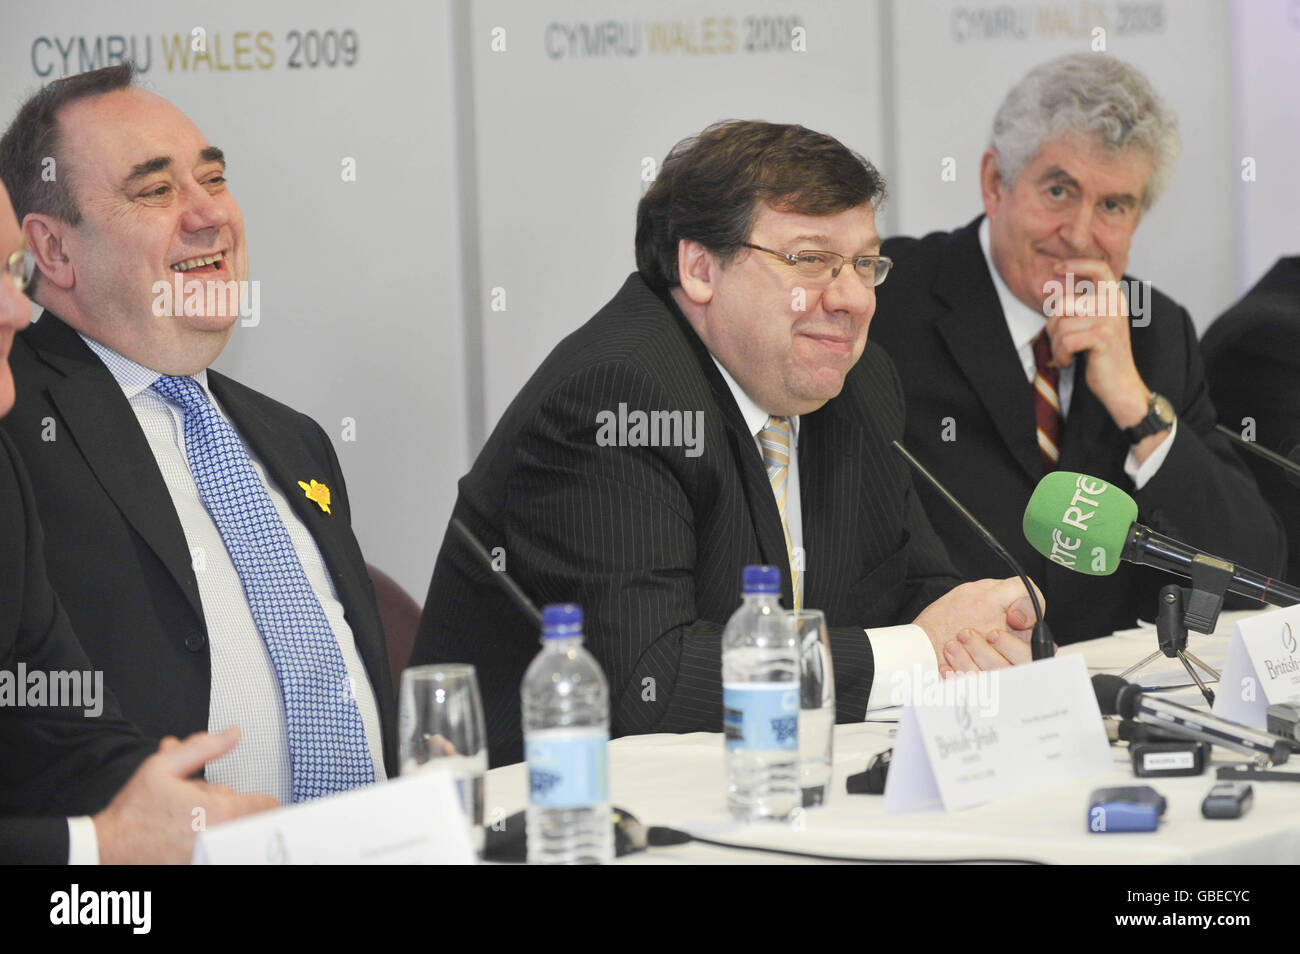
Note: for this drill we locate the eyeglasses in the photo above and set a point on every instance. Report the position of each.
(20, 266)
(817, 266)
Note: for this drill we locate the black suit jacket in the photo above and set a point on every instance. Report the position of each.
(939, 317)
(651, 542)
(116, 552)
(54, 762)
(1252, 364)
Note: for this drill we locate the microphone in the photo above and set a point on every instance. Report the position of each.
(504, 580)
(1289, 463)
(1040, 642)
(1087, 525)
(1116, 696)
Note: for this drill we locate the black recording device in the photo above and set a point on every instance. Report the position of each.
(1228, 800)
(1169, 759)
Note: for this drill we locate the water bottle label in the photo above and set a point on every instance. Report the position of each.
(567, 768)
(763, 716)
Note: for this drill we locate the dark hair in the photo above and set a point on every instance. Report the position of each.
(34, 135)
(710, 185)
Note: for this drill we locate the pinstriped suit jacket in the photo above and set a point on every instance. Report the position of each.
(650, 541)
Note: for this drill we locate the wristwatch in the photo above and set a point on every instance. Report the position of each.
(1160, 417)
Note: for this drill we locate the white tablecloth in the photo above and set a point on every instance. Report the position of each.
(678, 781)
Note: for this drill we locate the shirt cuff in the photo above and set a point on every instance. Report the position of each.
(83, 842)
(1141, 473)
(898, 651)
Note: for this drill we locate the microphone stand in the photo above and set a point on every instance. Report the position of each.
(1196, 608)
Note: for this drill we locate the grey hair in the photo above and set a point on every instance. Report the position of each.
(1086, 94)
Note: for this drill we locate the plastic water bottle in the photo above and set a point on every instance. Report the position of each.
(566, 730)
(760, 703)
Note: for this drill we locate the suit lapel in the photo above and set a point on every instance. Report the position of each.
(975, 332)
(753, 475)
(830, 472)
(99, 419)
(280, 452)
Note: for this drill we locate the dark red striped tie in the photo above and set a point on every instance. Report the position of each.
(1047, 402)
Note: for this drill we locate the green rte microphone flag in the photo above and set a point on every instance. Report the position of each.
(1079, 522)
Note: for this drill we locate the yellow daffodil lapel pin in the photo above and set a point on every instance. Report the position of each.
(318, 493)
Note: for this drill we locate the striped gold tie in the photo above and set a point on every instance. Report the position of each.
(775, 438)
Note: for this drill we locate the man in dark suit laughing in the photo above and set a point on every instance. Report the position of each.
(757, 265)
(68, 752)
(197, 532)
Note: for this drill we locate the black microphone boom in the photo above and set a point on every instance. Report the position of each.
(1146, 547)
(1041, 642)
(504, 580)
(1288, 464)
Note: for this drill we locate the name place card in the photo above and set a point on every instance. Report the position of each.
(1262, 667)
(982, 736)
(415, 819)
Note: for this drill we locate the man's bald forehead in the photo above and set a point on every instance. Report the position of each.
(125, 120)
(107, 112)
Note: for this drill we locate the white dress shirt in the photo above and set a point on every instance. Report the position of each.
(83, 843)
(896, 651)
(245, 687)
(1025, 323)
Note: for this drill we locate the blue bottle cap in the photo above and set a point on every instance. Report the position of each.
(761, 579)
(561, 620)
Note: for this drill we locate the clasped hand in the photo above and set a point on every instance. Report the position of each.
(986, 624)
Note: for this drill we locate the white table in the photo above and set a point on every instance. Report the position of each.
(678, 781)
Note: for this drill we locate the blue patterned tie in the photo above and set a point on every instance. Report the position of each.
(327, 741)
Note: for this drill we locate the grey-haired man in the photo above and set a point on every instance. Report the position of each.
(1023, 348)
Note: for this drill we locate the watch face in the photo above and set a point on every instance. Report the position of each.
(1162, 409)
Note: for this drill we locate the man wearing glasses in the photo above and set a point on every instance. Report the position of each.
(757, 266)
(197, 532)
(60, 760)
(1021, 352)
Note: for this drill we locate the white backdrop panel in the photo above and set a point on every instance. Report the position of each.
(1266, 67)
